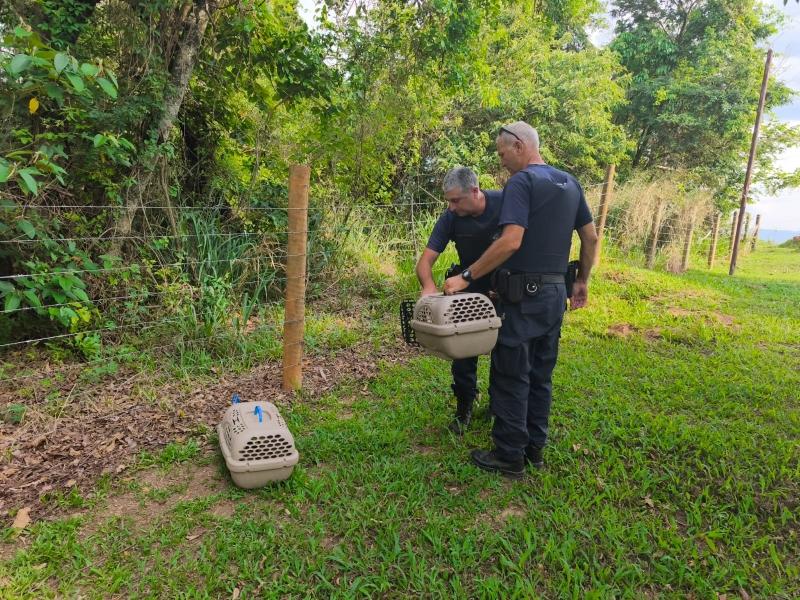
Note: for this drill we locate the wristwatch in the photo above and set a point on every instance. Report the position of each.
(466, 275)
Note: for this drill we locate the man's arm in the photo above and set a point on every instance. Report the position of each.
(425, 271)
(496, 254)
(580, 290)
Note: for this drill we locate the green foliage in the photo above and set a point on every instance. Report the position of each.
(381, 98)
(14, 413)
(46, 106)
(173, 453)
(696, 72)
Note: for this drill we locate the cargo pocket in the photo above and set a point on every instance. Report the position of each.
(510, 360)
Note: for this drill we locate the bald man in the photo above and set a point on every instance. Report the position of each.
(541, 208)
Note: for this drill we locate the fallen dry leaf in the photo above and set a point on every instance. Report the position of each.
(70, 483)
(744, 594)
(236, 593)
(649, 501)
(22, 520)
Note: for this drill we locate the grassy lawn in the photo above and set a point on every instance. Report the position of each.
(673, 472)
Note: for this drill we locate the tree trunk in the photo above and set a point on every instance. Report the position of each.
(193, 28)
(194, 19)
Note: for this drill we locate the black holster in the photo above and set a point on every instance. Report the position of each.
(571, 275)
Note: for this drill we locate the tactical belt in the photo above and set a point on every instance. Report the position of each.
(512, 287)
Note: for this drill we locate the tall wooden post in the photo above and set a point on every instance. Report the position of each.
(734, 220)
(750, 161)
(687, 245)
(654, 231)
(712, 252)
(295, 306)
(754, 239)
(605, 201)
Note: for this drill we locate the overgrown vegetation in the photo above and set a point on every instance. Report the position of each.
(144, 146)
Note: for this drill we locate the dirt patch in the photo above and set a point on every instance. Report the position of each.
(724, 319)
(331, 541)
(513, 511)
(101, 429)
(621, 330)
(679, 312)
(652, 334)
(616, 276)
(224, 510)
(10, 548)
(197, 481)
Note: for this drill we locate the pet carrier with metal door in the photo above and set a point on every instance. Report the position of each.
(457, 326)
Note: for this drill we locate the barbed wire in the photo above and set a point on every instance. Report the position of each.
(205, 208)
(387, 236)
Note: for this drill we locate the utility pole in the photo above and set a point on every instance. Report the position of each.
(750, 161)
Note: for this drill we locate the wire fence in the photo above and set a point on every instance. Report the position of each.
(181, 287)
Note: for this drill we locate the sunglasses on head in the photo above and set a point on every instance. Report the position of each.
(509, 132)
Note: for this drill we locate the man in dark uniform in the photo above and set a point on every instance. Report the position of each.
(541, 207)
(471, 222)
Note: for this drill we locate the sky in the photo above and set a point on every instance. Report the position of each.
(781, 211)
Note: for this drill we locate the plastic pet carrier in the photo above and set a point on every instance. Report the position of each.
(257, 445)
(457, 326)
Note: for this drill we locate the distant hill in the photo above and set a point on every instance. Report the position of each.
(776, 236)
(792, 243)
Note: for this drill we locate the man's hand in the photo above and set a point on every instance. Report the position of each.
(455, 284)
(428, 291)
(580, 295)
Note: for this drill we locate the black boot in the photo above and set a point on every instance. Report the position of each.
(533, 457)
(490, 460)
(463, 416)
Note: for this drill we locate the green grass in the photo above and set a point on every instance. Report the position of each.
(673, 471)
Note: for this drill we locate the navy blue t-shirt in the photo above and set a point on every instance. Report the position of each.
(550, 205)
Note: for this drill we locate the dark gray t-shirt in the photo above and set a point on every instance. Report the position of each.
(471, 235)
(449, 224)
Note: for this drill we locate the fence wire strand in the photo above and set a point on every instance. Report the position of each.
(335, 226)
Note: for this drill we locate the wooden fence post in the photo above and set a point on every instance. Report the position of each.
(295, 305)
(605, 201)
(712, 252)
(687, 245)
(754, 239)
(654, 231)
(746, 229)
(734, 219)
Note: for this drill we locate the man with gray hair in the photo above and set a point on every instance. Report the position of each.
(541, 207)
(470, 221)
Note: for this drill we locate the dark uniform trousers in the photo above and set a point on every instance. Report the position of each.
(523, 360)
(465, 370)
